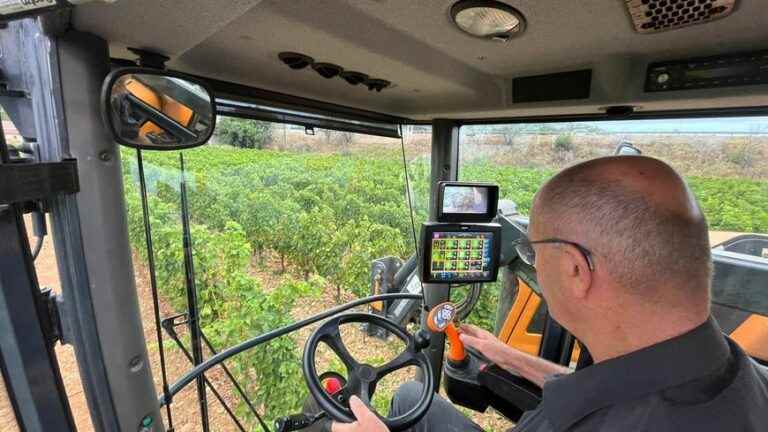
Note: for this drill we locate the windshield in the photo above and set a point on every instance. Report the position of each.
(285, 223)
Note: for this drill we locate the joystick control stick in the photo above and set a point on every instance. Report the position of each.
(441, 320)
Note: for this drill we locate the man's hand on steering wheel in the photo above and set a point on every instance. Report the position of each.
(366, 419)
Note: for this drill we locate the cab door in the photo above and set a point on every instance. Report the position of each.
(524, 323)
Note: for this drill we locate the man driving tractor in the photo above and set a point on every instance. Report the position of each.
(622, 256)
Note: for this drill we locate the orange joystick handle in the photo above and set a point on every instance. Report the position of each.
(439, 320)
(456, 353)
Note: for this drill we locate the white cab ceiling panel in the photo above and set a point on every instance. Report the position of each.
(436, 70)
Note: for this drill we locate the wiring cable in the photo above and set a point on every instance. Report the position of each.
(410, 203)
(38, 247)
(39, 224)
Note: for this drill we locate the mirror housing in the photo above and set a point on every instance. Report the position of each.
(154, 109)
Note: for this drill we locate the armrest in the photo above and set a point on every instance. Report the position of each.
(513, 388)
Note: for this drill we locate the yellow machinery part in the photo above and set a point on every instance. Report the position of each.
(170, 107)
(752, 336)
(379, 305)
(515, 333)
(515, 330)
(513, 316)
(177, 111)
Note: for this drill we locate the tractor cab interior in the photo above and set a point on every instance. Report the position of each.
(260, 208)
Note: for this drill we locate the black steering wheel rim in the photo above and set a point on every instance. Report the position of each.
(362, 378)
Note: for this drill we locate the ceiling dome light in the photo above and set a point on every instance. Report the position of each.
(488, 19)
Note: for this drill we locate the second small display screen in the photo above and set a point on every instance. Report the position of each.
(465, 200)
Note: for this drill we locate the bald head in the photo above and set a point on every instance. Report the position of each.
(638, 217)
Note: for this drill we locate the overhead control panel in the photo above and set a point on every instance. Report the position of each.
(708, 72)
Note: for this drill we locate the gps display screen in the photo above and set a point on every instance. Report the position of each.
(461, 256)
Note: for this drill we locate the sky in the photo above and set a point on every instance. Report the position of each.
(737, 125)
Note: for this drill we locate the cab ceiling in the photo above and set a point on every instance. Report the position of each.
(437, 70)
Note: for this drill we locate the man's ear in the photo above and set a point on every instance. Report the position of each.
(576, 272)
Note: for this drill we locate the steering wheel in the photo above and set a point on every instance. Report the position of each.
(362, 378)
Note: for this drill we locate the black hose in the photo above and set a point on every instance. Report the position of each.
(38, 248)
(410, 206)
(274, 334)
(402, 275)
(192, 304)
(40, 230)
(408, 194)
(5, 155)
(466, 306)
(153, 280)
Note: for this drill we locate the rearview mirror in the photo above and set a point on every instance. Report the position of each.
(157, 110)
(625, 148)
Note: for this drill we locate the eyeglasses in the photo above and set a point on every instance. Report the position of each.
(527, 253)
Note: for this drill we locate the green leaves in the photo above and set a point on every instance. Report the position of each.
(733, 204)
(243, 133)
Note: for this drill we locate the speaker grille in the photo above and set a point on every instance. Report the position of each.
(653, 16)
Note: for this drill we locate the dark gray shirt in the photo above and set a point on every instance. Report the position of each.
(700, 381)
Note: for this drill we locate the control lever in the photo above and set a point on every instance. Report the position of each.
(441, 319)
(422, 338)
(297, 422)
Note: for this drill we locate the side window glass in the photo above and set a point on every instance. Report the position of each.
(723, 160)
